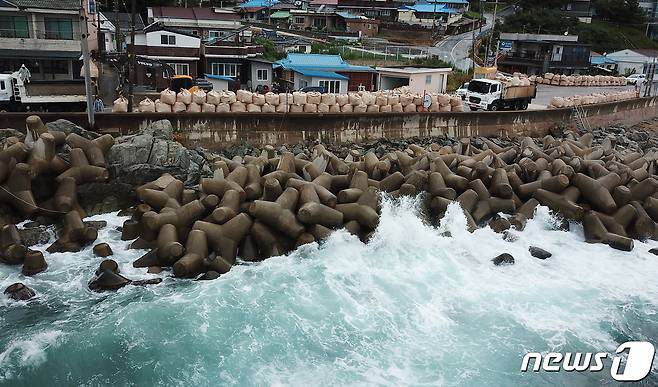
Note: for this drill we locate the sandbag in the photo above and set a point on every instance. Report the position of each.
(167, 96)
(360, 108)
(244, 96)
(392, 99)
(354, 99)
(194, 108)
(282, 108)
(228, 97)
(443, 99)
(120, 105)
(296, 108)
(146, 105)
(285, 98)
(368, 99)
(257, 99)
(223, 107)
(335, 108)
(298, 98)
(385, 109)
(342, 99)
(267, 108)
(313, 98)
(455, 101)
(208, 107)
(199, 97)
(323, 108)
(272, 99)
(178, 107)
(410, 108)
(184, 96)
(310, 107)
(328, 99)
(213, 97)
(238, 107)
(253, 108)
(406, 99)
(372, 109)
(162, 107)
(381, 100)
(347, 108)
(445, 108)
(398, 108)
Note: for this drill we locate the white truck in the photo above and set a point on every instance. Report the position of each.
(493, 95)
(18, 94)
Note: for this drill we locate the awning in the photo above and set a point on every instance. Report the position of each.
(4, 53)
(280, 15)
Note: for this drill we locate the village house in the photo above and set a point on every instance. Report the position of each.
(420, 80)
(634, 61)
(206, 23)
(541, 53)
(328, 71)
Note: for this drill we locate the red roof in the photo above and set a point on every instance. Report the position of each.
(194, 13)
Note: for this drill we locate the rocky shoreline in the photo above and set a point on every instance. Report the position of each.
(198, 211)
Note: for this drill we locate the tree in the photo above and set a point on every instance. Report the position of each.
(620, 11)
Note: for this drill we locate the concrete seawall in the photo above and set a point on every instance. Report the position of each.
(218, 130)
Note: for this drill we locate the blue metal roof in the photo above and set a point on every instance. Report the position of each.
(320, 62)
(258, 4)
(429, 8)
(444, 1)
(599, 60)
(320, 74)
(221, 77)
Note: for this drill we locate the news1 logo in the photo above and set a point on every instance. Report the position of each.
(639, 361)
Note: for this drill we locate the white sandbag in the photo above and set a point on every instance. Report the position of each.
(381, 100)
(392, 99)
(385, 109)
(558, 102)
(267, 108)
(282, 108)
(184, 96)
(199, 96)
(208, 107)
(516, 81)
(335, 108)
(146, 105)
(435, 106)
(228, 97)
(368, 99)
(323, 108)
(445, 108)
(213, 97)
(167, 96)
(310, 107)
(459, 108)
(253, 108)
(443, 99)
(372, 109)
(406, 99)
(360, 108)
(410, 108)
(178, 107)
(328, 99)
(299, 98)
(418, 100)
(285, 98)
(271, 98)
(244, 96)
(238, 107)
(397, 108)
(347, 108)
(342, 99)
(194, 108)
(223, 107)
(120, 105)
(313, 97)
(295, 108)
(162, 107)
(455, 101)
(354, 99)
(257, 99)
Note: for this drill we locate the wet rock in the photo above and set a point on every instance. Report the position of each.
(101, 198)
(510, 236)
(209, 276)
(539, 253)
(108, 280)
(6, 133)
(96, 224)
(35, 234)
(654, 251)
(108, 264)
(102, 250)
(160, 129)
(19, 292)
(499, 224)
(503, 259)
(154, 270)
(34, 263)
(69, 127)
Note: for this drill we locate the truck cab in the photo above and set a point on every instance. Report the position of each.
(6, 89)
(493, 95)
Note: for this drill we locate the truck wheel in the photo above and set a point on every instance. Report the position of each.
(494, 107)
(524, 105)
(473, 109)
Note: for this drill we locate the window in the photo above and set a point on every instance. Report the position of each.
(330, 86)
(299, 19)
(215, 34)
(59, 28)
(2, 85)
(225, 69)
(319, 22)
(428, 79)
(385, 12)
(55, 66)
(262, 74)
(302, 83)
(180, 68)
(13, 27)
(169, 40)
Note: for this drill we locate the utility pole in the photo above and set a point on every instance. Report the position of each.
(473, 47)
(131, 78)
(87, 68)
(493, 31)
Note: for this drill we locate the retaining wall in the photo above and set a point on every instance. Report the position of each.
(218, 130)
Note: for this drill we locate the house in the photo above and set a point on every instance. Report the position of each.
(542, 53)
(602, 62)
(324, 5)
(237, 61)
(312, 20)
(328, 71)
(287, 43)
(385, 10)
(206, 23)
(107, 28)
(429, 14)
(365, 26)
(420, 80)
(43, 35)
(634, 61)
(256, 10)
(581, 9)
(180, 50)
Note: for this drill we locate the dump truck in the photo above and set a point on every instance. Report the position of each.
(17, 93)
(493, 95)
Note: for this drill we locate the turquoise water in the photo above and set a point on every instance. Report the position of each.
(418, 305)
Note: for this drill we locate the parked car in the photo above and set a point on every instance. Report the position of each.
(635, 78)
(461, 91)
(319, 89)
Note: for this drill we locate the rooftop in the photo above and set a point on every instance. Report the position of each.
(124, 20)
(322, 62)
(429, 8)
(258, 3)
(413, 70)
(538, 37)
(194, 13)
(46, 4)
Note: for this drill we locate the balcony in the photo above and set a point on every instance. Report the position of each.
(40, 40)
(229, 49)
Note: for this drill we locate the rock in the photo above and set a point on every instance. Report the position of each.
(102, 250)
(69, 127)
(154, 270)
(108, 264)
(19, 292)
(6, 133)
(499, 224)
(96, 224)
(101, 198)
(108, 280)
(209, 276)
(34, 263)
(503, 259)
(510, 237)
(160, 129)
(36, 234)
(654, 251)
(539, 253)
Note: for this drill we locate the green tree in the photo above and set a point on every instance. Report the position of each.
(620, 11)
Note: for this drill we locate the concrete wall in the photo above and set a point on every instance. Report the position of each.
(254, 67)
(219, 130)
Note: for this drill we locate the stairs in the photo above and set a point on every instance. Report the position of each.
(579, 117)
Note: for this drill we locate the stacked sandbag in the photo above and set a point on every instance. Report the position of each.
(258, 99)
(244, 96)
(162, 107)
(193, 108)
(208, 108)
(594, 98)
(299, 98)
(184, 96)
(213, 98)
(272, 99)
(167, 96)
(313, 98)
(146, 106)
(120, 105)
(199, 97)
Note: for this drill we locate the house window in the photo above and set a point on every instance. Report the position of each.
(262, 74)
(168, 40)
(385, 12)
(13, 27)
(180, 68)
(302, 83)
(225, 69)
(428, 79)
(59, 28)
(215, 34)
(330, 86)
(319, 22)
(2, 85)
(299, 19)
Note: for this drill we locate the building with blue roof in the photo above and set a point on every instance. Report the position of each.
(433, 12)
(328, 71)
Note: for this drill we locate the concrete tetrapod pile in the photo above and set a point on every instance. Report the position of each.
(257, 207)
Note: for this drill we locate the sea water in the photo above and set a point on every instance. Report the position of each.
(418, 305)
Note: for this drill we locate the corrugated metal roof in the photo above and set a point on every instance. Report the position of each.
(320, 74)
(280, 15)
(320, 62)
(446, 1)
(194, 13)
(429, 8)
(47, 4)
(258, 3)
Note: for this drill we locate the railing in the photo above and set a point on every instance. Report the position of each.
(39, 34)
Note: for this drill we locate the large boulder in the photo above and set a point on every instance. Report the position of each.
(160, 129)
(69, 127)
